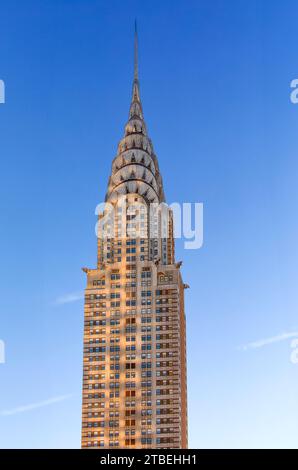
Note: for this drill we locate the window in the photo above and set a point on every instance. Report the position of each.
(99, 282)
(131, 250)
(115, 277)
(115, 295)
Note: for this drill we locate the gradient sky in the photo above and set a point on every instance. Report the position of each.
(215, 85)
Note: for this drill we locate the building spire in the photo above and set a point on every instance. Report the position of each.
(136, 107)
(136, 67)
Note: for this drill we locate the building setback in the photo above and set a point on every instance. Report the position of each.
(134, 366)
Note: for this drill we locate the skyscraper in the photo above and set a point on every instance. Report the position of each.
(134, 370)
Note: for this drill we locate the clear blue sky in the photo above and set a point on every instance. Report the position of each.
(215, 84)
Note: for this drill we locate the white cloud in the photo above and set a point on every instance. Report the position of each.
(69, 298)
(33, 406)
(265, 341)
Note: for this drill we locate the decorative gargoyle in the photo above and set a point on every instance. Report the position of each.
(186, 286)
(178, 264)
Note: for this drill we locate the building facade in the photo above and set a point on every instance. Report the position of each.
(134, 366)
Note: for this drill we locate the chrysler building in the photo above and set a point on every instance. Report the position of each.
(134, 367)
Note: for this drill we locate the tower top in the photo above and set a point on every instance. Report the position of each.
(135, 168)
